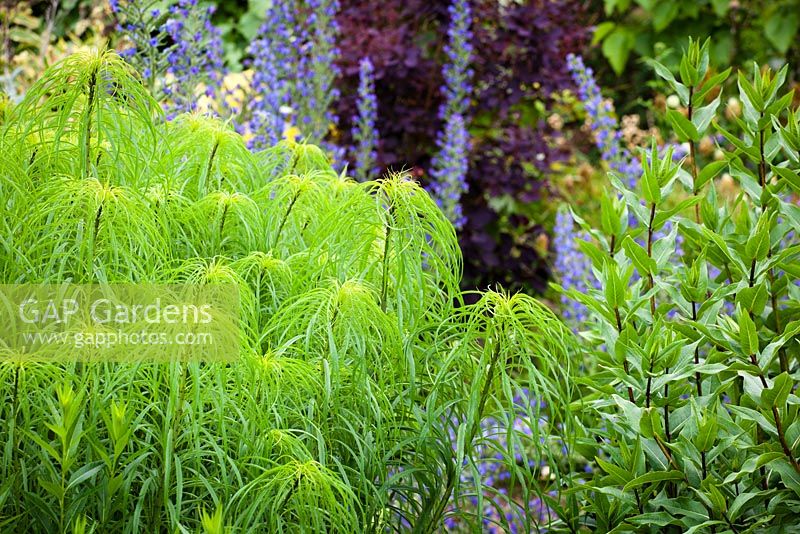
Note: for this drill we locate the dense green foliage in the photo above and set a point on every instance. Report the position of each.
(356, 400)
(694, 329)
(741, 31)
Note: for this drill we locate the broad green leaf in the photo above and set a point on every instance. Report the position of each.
(650, 424)
(681, 90)
(615, 289)
(758, 244)
(752, 415)
(638, 255)
(789, 475)
(84, 473)
(707, 433)
(748, 93)
(781, 29)
(663, 14)
(776, 108)
(753, 464)
(708, 172)
(617, 47)
(776, 395)
(651, 519)
(716, 497)
(753, 299)
(615, 5)
(620, 475)
(651, 189)
(52, 488)
(738, 504)
(663, 216)
(602, 30)
(702, 116)
(789, 176)
(683, 127)
(609, 218)
(709, 85)
(748, 338)
(720, 7)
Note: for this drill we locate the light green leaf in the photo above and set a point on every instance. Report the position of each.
(720, 7)
(702, 116)
(709, 172)
(617, 47)
(752, 464)
(602, 30)
(638, 255)
(663, 14)
(84, 473)
(788, 176)
(620, 476)
(781, 28)
(748, 338)
(685, 130)
(776, 395)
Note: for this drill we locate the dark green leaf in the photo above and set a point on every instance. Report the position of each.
(653, 476)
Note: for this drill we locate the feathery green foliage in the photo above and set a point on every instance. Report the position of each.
(358, 359)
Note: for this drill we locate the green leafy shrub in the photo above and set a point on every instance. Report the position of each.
(693, 337)
(741, 31)
(358, 365)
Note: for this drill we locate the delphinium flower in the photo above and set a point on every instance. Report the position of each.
(608, 136)
(457, 72)
(365, 132)
(450, 164)
(176, 50)
(294, 67)
(142, 29)
(450, 169)
(571, 267)
(320, 69)
(194, 58)
(274, 64)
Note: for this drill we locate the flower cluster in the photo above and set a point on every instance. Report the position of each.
(450, 169)
(365, 132)
(321, 71)
(450, 165)
(608, 136)
(571, 266)
(273, 64)
(143, 33)
(293, 63)
(194, 57)
(457, 72)
(177, 51)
